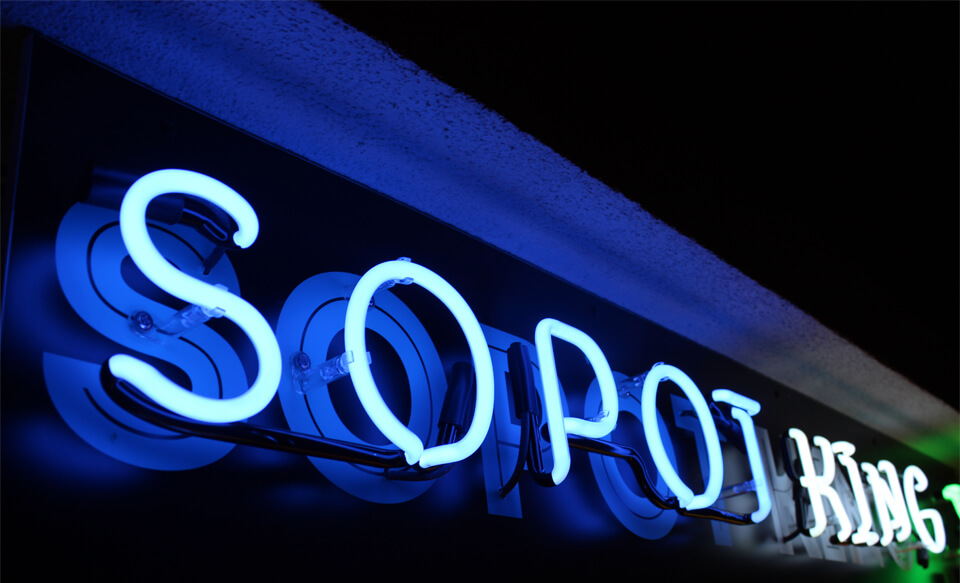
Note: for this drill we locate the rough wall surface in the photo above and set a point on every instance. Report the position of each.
(340, 99)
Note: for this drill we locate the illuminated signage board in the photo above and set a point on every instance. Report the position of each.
(202, 309)
(83, 227)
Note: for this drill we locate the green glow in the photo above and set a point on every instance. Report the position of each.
(941, 568)
(951, 492)
(940, 445)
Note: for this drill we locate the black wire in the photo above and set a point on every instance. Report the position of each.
(524, 444)
(416, 473)
(243, 433)
(640, 473)
(449, 433)
(799, 509)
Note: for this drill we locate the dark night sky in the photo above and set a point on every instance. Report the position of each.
(813, 146)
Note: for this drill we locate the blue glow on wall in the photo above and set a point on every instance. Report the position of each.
(311, 319)
(89, 259)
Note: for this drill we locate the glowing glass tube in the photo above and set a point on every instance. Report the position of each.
(951, 492)
(558, 425)
(889, 501)
(136, 238)
(864, 534)
(714, 483)
(914, 480)
(819, 485)
(355, 340)
(743, 409)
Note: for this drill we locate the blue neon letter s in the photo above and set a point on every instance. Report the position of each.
(133, 229)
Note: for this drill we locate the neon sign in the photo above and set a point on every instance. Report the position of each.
(133, 228)
(354, 339)
(323, 306)
(896, 507)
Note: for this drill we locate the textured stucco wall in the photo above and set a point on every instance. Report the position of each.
(340, 99)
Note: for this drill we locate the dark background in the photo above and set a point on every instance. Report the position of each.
(813, 146)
